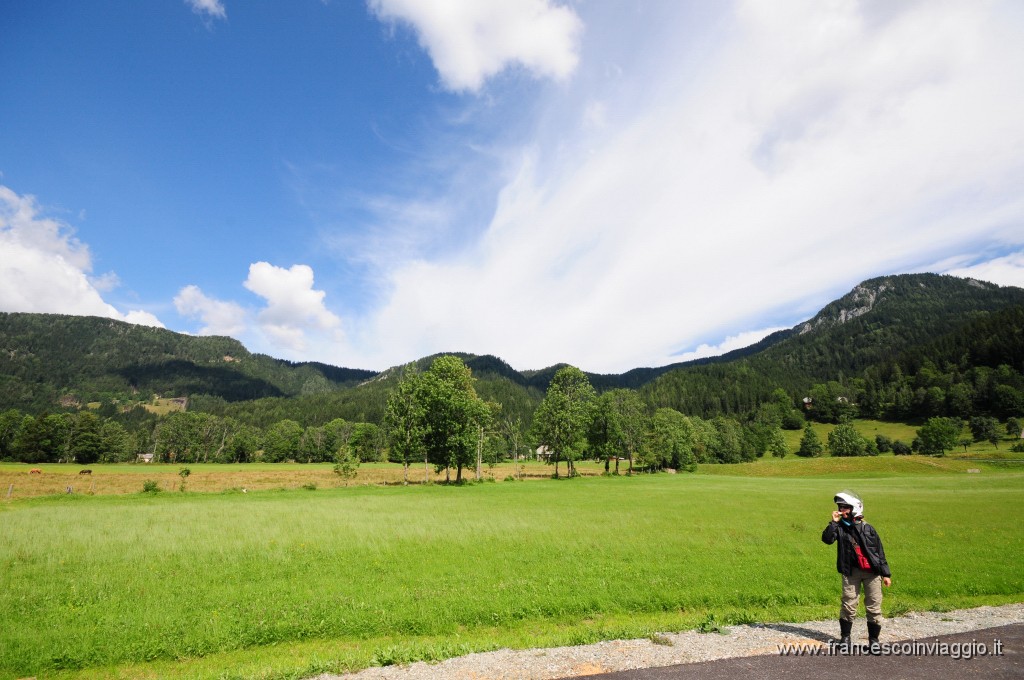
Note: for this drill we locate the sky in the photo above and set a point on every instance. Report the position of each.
(606, 183)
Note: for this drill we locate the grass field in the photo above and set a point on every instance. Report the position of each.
(291, 583)
(207, 478)
(128, 478)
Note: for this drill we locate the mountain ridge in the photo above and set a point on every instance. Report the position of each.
(44, 358)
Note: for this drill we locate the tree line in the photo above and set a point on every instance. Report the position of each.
(434, 416)
(437, 417)
(181, 437)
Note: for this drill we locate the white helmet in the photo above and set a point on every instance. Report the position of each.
(850, 498)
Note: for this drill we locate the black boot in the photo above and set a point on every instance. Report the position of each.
(874, 630)
(845, 628)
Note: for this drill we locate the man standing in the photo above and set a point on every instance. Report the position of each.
(861, 561)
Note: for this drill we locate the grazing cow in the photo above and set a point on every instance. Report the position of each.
(35, 471)
(85, 472)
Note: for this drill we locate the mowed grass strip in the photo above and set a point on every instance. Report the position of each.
(118, 586)
(869, 466)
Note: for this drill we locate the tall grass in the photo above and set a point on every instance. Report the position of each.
(207, 477)
(93, 582)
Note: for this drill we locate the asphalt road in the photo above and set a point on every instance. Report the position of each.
(903, 666)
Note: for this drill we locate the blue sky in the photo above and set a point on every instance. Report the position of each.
(609, 184)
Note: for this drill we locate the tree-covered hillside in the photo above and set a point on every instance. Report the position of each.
(855, 343)
(46, 359)
(906, 318)
(914, 347)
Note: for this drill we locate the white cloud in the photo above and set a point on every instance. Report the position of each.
(44, 268)
(816, 145)
(1005, 271)
(219, 317)
(142, 318)
(471, 40)
(210, 9)
(293, 306)
(733, 342)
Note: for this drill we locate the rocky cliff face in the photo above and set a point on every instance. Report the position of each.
(858, 302)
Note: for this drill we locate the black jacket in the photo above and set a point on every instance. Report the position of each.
(870, 545)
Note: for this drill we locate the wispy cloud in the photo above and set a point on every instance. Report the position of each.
(45, 268)
(208, 9)
(817, 145)
(733, 342)
(675, 173)
(470, 41)
(1006, 271)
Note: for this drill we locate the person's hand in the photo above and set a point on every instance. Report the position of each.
(835, 515)
(886, 581)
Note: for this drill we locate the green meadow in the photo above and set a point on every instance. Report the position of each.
(287, 584)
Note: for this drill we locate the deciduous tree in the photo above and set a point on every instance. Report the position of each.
(282, 441)
(985, 429)
(845, 441)
(562, 420)
(452, 413)
(405, 422)
(939, 435)
(669, 441)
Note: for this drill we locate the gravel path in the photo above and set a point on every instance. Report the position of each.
(676, 648)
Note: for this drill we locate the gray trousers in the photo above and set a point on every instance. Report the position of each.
(872, 595)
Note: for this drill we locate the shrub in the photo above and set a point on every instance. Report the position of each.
(883, 443)
(151, 486)
(347, 464)
(844, 441)
(901, 449)
(793, 420)
(810, 444)
(710, 624)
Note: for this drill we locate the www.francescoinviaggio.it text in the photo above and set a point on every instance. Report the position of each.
(955, 650)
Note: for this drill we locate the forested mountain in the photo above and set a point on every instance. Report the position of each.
(908, 320)
(886, 327)
(48, 358)
(910, 348)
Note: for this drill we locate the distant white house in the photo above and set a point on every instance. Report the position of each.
(144, 458)
(543, 453)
